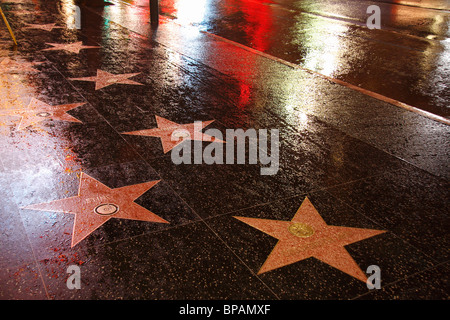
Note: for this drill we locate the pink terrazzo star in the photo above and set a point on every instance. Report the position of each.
(8, 65)
(307, 235)
(46, 27)
(104, 79)
(172, 134)
(71, 47)
(96, 203)
(38, 111)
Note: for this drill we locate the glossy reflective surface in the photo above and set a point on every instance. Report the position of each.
(93, 96)
(406, 60)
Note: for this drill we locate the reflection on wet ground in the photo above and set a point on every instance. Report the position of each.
(407, 60)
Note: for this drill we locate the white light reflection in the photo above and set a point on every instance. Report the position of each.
(324, 43)
(69, 13)
(190, 11)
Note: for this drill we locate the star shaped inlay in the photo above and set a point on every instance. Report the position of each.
(307, 235)
(96, 204)
(172, 134)
(38, 111)
(71, 47)
(8, 65)
(46, 27)
(104, 79)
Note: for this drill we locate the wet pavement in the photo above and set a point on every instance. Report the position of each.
(88, 178)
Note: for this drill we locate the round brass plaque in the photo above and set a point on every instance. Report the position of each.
(301, 230)
(106, 209)
(43, 114)
(180, 134)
